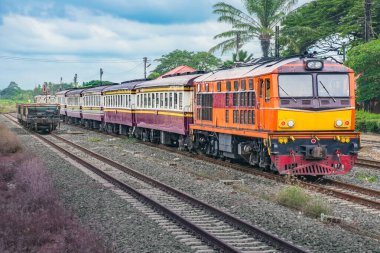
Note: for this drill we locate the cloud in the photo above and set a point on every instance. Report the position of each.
(87, 35)
(101, 29)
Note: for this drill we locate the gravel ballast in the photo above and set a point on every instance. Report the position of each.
(250, 201)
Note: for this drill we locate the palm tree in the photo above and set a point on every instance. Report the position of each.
(242, 56)
(258, 21)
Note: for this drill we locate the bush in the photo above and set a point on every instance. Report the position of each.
(295, 197)
(367, 122)
(315, 207)
(9, 143)
(32, 218)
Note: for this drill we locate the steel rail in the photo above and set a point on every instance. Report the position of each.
(236, 222)
(312, 186)
(356, 188)
(368, 163)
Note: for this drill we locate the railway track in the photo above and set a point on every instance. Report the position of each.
(368, 163)
(217, 229)
(353, 193)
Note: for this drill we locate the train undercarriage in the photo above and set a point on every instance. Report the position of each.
(286, 154)
(292, 155)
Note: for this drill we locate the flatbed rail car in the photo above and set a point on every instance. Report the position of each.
(39, 117)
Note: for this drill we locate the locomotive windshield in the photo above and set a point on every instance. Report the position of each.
(333, 85)
(295, 86)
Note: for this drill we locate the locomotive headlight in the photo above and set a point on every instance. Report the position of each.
(291, 123)
(314, 65)
(338, 123)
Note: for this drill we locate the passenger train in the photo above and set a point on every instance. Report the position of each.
(292, 115)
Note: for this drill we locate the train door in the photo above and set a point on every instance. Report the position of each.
(260, 104)
(264, 100)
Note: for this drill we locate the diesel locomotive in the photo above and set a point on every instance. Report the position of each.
(292, 115)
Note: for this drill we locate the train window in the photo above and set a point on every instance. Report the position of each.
(166, 100)
(219, 86)
(243, 85)
(236, 85)
(199, 87)
(241, 117)
(236, 116)
(289, 86)
(175, 100)
(227, 99)
(250, 84)
(253, 99)
(161, 100)
(227, 116)
(207, 88)
(138, 100)
(261, 87)
(180, 101)
(171, 100)
(267, 90)
(333, 85)
(235, 99)
(228, 86)
(242, 99)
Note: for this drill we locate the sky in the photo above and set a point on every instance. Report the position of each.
(46, 40)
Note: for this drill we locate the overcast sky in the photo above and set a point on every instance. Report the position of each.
(44, 40)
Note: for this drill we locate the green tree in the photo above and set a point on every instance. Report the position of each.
(258, 21)
(95, 83)
(154, 75)
(201, 61)
(11, 92)
(325, 25)
(364, 60)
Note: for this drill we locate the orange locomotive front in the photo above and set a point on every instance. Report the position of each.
(295, 116)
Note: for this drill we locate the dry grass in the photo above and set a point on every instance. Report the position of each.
(9, 143)
(32, 218)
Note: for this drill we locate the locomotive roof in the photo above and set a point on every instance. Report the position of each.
(258, 68)
(179, 80)
(126, 85)
(286, 65)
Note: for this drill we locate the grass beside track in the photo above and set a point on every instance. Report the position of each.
(296, 197)
(9, 105)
